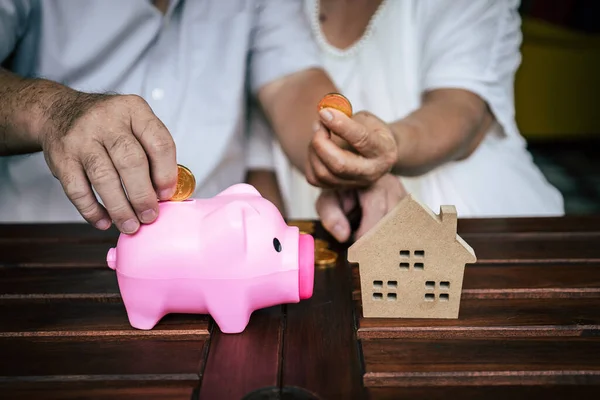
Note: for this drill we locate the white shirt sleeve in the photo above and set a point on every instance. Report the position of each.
(13, 23)
(473, 45)
(281, 43)
(259, 154)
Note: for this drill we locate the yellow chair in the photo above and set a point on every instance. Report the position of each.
(557, 87)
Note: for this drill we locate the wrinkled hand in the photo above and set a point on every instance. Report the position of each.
(375, 201)
(117, 145)
(330, 165)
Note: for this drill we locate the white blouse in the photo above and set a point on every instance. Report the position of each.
(412, 46)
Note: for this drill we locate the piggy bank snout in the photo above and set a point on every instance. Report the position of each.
(111, 258)
(306, 269)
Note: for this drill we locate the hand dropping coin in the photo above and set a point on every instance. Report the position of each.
(186, 184)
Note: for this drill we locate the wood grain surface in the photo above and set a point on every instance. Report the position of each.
(529, 327)
(321, 354)
(64, 331)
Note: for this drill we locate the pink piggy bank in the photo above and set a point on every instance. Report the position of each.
(226, 256)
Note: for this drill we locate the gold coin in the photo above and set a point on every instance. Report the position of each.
(325, 257)
(320, 244)
(303, 226)
(337, 101)
(186, 184)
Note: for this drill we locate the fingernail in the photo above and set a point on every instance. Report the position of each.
(326, 115)
(339, 231)
(166, 194)
(103, 224)
(130, 226)
(316, 126)
(148, 216)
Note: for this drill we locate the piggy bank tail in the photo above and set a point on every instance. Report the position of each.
(111, 258)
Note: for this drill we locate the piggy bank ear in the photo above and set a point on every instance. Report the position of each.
(240, 189)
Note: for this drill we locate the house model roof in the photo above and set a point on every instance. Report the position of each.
(412, 262)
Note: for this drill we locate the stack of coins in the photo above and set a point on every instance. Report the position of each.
(305, 227)
(323, 255)
(186, 184)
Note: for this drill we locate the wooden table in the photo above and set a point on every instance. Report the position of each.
(529, 327)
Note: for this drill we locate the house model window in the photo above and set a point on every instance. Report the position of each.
(411, 264)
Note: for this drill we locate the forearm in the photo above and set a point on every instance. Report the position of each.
(25, 105)
(290, 105)
(447, 127)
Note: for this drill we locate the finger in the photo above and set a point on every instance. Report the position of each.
(77, 188)
(332, 216)
(309, 173)
(316, 173)
(158, 145)
(326, 179)
(131, 164)
(351, 130)
(341, 163)
(374, 204)
(397, 194)
(349, 200)
(105, 179)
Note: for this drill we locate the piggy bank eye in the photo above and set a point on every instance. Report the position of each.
(277, 244)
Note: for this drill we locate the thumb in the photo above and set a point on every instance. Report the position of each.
(332, 216)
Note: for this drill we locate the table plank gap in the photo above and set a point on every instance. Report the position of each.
(107, 360)
(72, 320)
(321, 352)
(238, 364)
(478, 392)
(553, 360)
(97, 391)
(477, 378)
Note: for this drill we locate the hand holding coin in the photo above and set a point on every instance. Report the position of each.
(370, 150)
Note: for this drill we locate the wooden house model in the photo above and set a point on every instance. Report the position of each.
(411, 263)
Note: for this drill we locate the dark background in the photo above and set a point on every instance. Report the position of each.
(556, 96)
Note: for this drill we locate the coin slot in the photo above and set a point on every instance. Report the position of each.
(404, 253)
(445, 285)
(429, 296)
(392, 284)
(419, 266)
(391, 296)
(378, 284)
(444, 297)
(178, 201)
(419, 253)
(430, 285)
(404, 265)
(377, 296)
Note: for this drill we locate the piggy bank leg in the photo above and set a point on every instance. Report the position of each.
(141, 319)
(143, 302)
(230, 318)
(232, 323)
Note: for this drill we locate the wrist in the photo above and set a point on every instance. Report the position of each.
(407, 143)
(34, 108)
(58, 109)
